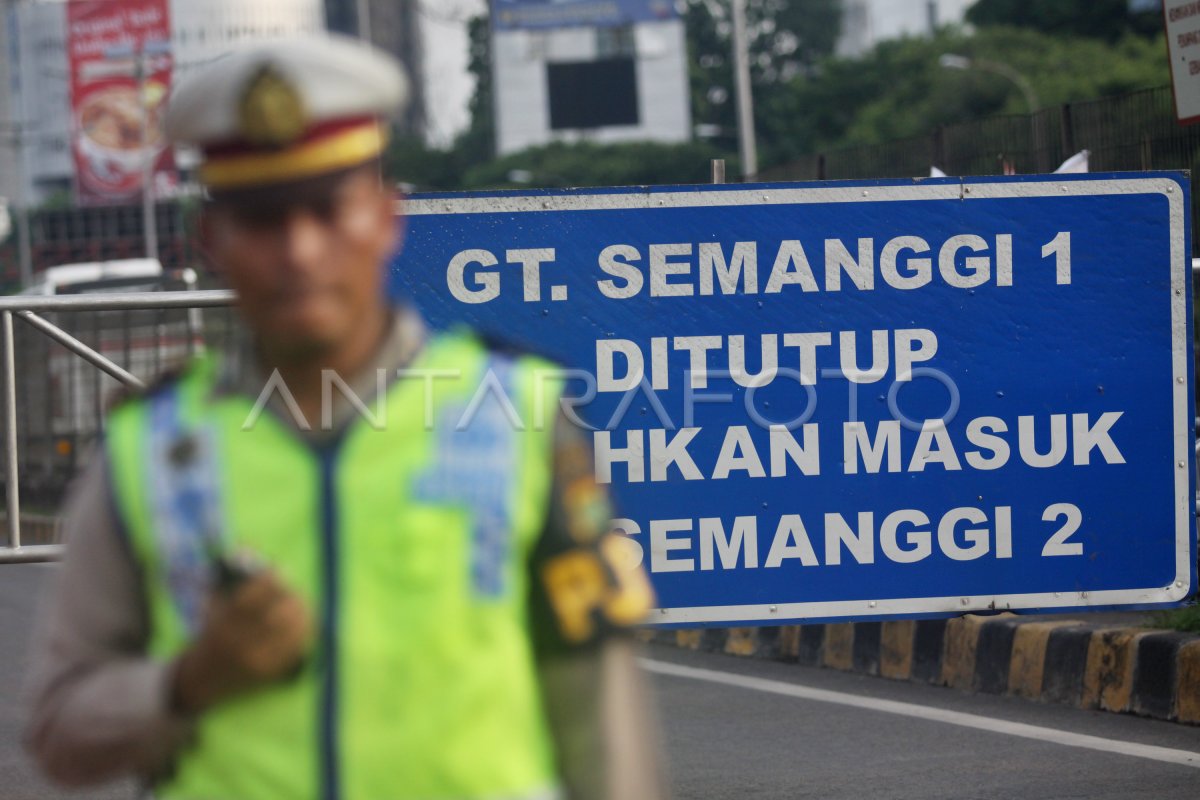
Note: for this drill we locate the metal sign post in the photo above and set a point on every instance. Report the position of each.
(858, 400)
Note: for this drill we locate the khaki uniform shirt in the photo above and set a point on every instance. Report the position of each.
(101, 708)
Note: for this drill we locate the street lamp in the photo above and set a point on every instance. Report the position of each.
(955, 61)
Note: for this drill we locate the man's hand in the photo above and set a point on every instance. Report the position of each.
(255, 634)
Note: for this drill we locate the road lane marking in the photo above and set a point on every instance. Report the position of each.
(1037, 733)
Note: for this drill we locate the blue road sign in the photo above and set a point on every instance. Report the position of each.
(859, 400)
(546, 14)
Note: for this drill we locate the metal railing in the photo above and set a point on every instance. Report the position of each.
(27, 309)
(1133, 131)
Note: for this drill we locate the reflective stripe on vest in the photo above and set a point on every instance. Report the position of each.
(186, 507)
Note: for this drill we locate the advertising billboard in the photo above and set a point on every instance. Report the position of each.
(549, 14)
(118, 50)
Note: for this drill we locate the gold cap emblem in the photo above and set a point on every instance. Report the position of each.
(272, 111)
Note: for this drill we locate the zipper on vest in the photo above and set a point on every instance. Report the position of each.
(328, 722)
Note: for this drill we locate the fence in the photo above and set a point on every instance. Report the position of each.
(61, 407)
(1136, 131)
(100, 233)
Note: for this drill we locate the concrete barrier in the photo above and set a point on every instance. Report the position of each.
(1127, 670)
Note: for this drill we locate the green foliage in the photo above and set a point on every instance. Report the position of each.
(551, 166)
(587, 164)
(59, 200)
(478, 143)
(1109, 20)
(1186, 619)
(788, 38)
(408, 159)
(899, 90)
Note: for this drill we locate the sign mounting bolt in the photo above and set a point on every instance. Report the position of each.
(966, 601)
(871, 604)
(774, 609)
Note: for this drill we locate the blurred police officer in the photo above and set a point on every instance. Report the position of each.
(304, 580)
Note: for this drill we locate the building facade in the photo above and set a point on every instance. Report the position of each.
(601, 84)
(35, 102)
(36, 59)
(394, 26)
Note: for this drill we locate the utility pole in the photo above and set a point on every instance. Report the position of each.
(149, 157)
(363, 14)
(747, 140)
(140, 57)
(18, 130)
(21, 207)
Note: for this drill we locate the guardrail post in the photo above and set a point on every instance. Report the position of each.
(10, 434)
(718, 170)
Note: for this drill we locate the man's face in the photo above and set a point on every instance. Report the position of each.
(307, 262)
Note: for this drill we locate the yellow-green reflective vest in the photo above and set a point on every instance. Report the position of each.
(409, 538)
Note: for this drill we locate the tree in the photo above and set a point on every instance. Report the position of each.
(478, 143)
(409, 160)
(1109, 20)
(588, 164)
(899, 90)
(788, 39)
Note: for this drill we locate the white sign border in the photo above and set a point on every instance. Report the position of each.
(1177, 590)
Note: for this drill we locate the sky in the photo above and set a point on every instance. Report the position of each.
(890, 18)
(449, 84)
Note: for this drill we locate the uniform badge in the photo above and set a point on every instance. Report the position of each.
(272, 113)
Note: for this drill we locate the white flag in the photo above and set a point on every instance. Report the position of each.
(934, 172)
(1076, 163)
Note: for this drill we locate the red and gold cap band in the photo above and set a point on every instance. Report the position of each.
(326, 148)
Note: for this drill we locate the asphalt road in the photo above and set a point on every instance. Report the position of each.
(751, 730)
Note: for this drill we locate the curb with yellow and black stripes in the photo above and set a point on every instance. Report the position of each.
(1152, 673)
